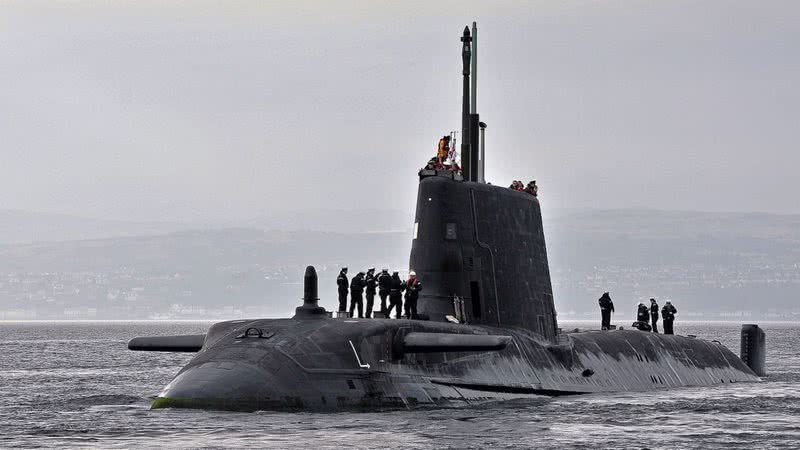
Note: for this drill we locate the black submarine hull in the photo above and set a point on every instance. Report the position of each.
(364, 364)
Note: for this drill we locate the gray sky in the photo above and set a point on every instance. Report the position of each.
(228, 110)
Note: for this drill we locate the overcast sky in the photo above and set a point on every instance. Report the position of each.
(227, 110)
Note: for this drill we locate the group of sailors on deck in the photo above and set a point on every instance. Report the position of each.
(387, 286)
(446, 159)
(392, 288)
(531, 188)
(446, 155)
(646, 316)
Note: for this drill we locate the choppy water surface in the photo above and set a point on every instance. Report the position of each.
(76, 384)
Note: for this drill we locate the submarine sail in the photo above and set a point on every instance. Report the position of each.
(481, 243)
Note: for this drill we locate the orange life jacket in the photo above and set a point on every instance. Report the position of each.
(442, 155)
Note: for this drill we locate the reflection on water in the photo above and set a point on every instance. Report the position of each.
(76, 384)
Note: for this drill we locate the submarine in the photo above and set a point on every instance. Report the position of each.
(486, 328)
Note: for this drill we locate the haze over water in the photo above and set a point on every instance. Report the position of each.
(221, 111)
(76, 384)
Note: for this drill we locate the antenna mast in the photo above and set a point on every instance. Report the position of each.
(466, 154)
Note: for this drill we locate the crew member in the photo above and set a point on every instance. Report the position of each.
(517, 185)
(413, 286)
(606, 308)
(396, 287)
(668, 313)
(431, 164)
(384, 285)
(642, 317)
(371, 285)
(341, 281)
(357, 294)
(444, 149)
(532, 188)
(654, 314)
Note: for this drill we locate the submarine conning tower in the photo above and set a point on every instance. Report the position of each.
(480, 243)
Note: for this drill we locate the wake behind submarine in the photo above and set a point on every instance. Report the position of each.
(480, 250)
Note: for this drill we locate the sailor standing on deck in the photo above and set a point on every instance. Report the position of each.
(413, 286)
(371, 284)
(396, 295)
(606, 308)
(341, 281)
(384, 285)
(654, 314)
(357, 294)
(668, 313)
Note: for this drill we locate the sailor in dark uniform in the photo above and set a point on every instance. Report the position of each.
(654, 314)
(642, 317)
(357, 294)
(384, 285)
(606, 308)
(668, 313)
(396, 295)
(341, 281)
(372, 283)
